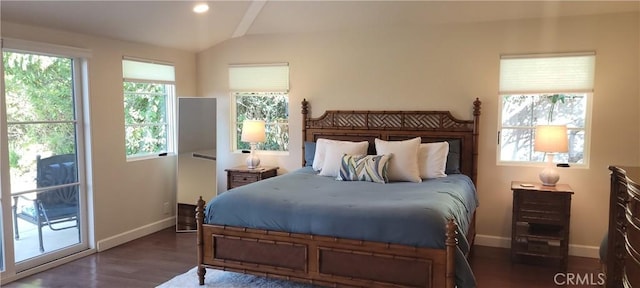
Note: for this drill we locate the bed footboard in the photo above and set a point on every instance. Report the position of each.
(323, 260)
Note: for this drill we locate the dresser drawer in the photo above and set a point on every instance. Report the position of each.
(244, 178)
(540, 207)
(241, 176)
(542, 201)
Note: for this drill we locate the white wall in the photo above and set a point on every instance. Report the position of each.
(126, 195)
(447, 67)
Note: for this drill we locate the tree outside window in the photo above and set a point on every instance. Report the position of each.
(520, 115)
(146, 121)
(40, 110)
(272, 107)
(149, 104)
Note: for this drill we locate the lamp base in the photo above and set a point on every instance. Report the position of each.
(549, 175)
(253, 161)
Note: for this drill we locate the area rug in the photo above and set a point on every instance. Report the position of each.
(223, 279)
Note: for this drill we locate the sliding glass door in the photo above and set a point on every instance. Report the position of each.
(47, 194)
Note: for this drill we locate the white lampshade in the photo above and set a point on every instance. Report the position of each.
(253, 131)
(551, 139)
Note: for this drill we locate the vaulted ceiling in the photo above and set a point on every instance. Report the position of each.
(174, 24)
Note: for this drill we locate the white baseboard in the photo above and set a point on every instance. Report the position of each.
(492, 241)
(504, 242)
(127, 236)
(584, 251)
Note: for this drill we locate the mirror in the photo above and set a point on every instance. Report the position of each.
(196, 157)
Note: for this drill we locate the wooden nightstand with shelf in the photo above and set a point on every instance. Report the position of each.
(239, 176)
(540, 223)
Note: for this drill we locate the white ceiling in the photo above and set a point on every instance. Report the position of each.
(173, 24)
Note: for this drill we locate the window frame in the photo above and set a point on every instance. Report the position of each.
(234, 123)
(170, 110)
(538, 74)
(257, 79)
(587, 134)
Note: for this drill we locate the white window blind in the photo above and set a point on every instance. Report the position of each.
(259, 78)
(547, 73)
(139, 71)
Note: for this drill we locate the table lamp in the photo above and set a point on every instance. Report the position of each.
(551, 139)
(254, 133)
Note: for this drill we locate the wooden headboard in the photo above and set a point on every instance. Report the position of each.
(431, 126)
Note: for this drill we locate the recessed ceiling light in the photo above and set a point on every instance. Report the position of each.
(201, 8)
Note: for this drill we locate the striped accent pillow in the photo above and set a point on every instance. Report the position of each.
(372, 168)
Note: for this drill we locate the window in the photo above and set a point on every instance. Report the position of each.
(544, 89)
(261, 92)
(148, 108)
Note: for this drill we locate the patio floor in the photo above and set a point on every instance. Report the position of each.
(27, 246)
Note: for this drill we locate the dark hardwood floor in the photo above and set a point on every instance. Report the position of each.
(145, 262)
(154, 259)
(492, 267)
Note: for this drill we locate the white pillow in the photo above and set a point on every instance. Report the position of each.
(334, 152)
(403, 165)
(432, 159)
(318, 157)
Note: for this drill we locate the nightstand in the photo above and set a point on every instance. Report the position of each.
(540, 223)
(239, 176)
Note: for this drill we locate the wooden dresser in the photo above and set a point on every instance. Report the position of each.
(623, 246)
(540, 224)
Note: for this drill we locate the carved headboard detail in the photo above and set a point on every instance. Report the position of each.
(432, 126)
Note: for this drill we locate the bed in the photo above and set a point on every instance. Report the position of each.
(303, 248)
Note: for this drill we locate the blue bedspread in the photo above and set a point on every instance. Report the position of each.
(406, 213)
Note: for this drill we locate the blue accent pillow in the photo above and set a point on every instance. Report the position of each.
(309, 153)
(453, 158)
(372, 168)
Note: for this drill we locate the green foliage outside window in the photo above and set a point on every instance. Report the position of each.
(146, 121)
(40, 107)
(273, 108)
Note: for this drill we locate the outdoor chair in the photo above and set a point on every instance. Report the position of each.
(55, 206)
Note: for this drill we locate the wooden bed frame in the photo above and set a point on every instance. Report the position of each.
(331, 261)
